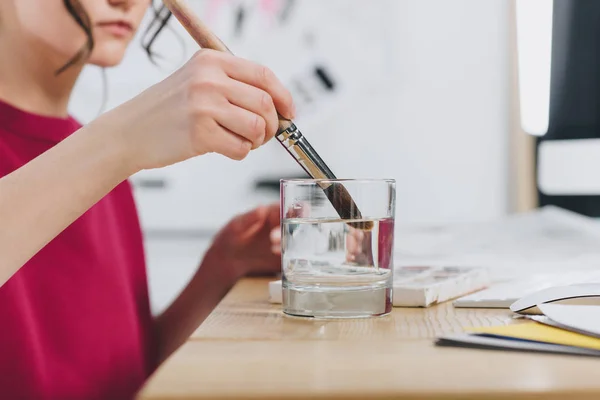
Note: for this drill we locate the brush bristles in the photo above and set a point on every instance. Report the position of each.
(346, 207)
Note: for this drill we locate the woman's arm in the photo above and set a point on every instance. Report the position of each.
(202, 294)
(40, 199)
(243, 246)
(215, 103)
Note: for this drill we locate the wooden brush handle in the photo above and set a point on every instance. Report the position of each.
(205, 37)
(196, 28)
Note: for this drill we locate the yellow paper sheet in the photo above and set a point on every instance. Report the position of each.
(541, 333)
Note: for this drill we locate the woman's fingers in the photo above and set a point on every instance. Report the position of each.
(256, 101)
(214, 103)
(261, 77)
(242, 122)
(275, 237)
(241, 97)
(229, 144)
(354, 244)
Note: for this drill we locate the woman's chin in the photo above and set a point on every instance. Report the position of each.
(107, 54)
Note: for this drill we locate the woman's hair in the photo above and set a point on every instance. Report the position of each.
(74, 7)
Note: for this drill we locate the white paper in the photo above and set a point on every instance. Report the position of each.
(542, 319)
(275, 295)
(503, 294)
(584, 319)
(542, 241)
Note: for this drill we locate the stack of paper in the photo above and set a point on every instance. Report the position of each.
(566, 329)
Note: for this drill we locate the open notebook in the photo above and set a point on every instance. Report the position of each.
(564, 329)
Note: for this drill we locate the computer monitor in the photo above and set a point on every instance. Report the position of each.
(559, 72)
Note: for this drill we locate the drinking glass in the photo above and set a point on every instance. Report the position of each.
(336, 263)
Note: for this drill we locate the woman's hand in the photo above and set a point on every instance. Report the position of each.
(216, 103)
(245, 245)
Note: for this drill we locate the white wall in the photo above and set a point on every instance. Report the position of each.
(440, 126)
(452, 110)
(426, 103)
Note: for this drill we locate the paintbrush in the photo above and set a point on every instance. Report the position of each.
(288, 133)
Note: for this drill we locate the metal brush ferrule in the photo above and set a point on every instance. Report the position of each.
(296, 144)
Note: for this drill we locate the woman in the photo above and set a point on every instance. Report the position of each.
(74, 311)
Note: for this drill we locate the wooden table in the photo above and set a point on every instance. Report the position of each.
(247, 349)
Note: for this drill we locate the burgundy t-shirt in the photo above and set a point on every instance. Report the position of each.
(75, 321)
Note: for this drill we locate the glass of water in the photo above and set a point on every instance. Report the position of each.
(336, 265)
